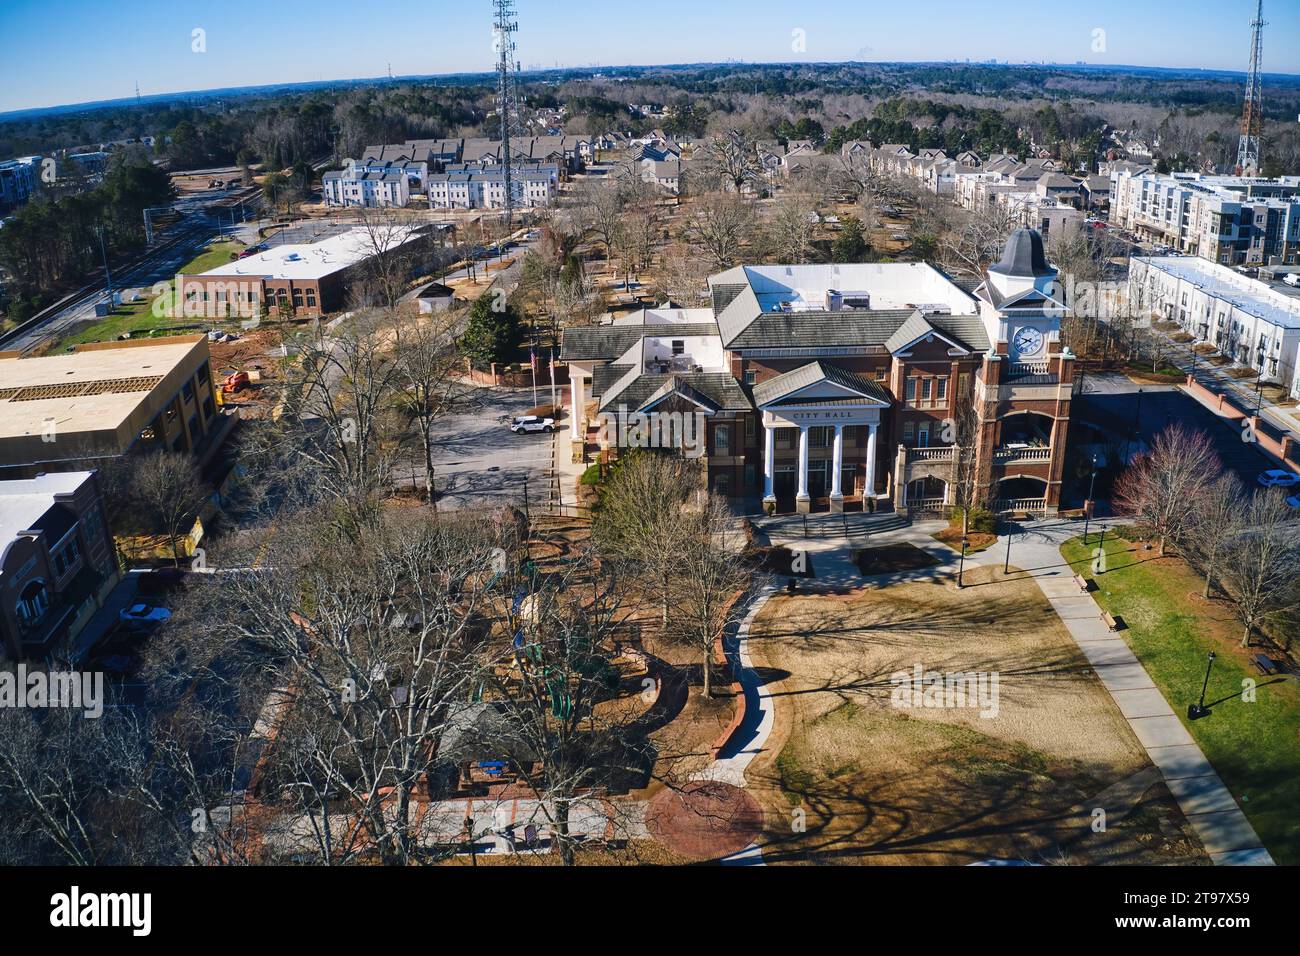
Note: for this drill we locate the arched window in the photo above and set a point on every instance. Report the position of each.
(33, 602)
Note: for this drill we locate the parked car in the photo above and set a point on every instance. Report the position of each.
(143, 613)
(1278, 478)
(1294, 500)
(531, 423)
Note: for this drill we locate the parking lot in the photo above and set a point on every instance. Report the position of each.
(480, 461)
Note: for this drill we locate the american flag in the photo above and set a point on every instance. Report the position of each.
(532, 359)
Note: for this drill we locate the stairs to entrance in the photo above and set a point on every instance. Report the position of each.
(825, 525)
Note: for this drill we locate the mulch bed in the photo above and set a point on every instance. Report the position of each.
(893, 557)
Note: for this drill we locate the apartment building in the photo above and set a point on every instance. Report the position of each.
(487, 190)
(1232, 220)
(61, 412)
(20, 180)
(371, 188)
(844, 387)
(1247, 319)
(57, 563)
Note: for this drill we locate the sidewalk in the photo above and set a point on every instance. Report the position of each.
(1228, 837)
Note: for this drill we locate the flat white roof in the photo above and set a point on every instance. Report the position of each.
(1249, 295)
(891, 285)
(23, 502)
(315, 260)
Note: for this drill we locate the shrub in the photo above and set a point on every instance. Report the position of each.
(981, 520)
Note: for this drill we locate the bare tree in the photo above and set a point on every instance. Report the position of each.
(789, 232)
(1216, 518)
(342, 397)
(639, 522)
(427, 363)
(1259, 570)
(733, 157)
(373, 640)
(157, 492)
(1161, 487)
(708, 579)
(719, 223)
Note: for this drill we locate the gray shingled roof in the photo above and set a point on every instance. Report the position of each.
(775, 389)
(806, 330)
(589, 343)
(913, 328)
(718, 390)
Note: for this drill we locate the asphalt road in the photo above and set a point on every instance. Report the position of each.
(178, 246)
(1162, 406)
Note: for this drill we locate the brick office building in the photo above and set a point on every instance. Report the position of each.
(309, 278)
(823, 386)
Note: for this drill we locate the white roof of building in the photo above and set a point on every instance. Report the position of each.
(1249, 295)
(894, 285)
(23, 502)
(315, 260)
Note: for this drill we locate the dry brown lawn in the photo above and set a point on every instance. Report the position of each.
(882, 784)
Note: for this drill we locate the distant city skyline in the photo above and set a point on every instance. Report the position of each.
(60, 52)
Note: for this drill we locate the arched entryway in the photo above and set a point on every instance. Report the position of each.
(927, 493)
(1022, 493)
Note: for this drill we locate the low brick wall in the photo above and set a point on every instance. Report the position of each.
(1281, 447)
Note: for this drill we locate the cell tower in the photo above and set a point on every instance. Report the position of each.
(503, 41)
(1252, 114)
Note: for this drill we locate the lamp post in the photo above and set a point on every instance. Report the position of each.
(1087, 505)
(1198, 710)
(1006, 564)
(961, 562)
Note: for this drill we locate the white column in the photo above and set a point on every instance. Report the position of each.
(575, 398)
(870, 487)
(803, 463)
(837, 463)
(769, 463)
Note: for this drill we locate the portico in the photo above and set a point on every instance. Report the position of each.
(819, 403)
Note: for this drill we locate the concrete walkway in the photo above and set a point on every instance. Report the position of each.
(1227, 835)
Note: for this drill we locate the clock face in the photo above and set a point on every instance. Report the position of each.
(1027, 341)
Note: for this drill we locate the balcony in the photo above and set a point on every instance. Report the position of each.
(1019, 454)
(941, 453)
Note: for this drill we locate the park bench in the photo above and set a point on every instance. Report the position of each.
(1266, 663)
(1108, 619)
(1081, 582)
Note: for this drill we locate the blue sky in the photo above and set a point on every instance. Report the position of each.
(66, 51)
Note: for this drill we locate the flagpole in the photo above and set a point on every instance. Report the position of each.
(553, 405)
(532, 363)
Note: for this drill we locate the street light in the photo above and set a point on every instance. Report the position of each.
(1006, 564)
(1087, 505)
(961, 562)
(1198, 710)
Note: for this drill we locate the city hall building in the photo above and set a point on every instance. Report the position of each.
(846, 387)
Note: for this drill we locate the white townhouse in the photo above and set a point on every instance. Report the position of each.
(374, 190)
(1249, 320)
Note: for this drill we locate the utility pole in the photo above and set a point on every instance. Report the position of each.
(108, 278)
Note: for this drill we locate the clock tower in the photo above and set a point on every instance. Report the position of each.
(1021, 300)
